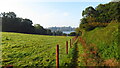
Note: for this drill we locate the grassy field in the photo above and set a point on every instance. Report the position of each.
(32, 50)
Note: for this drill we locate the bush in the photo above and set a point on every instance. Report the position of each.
(72, 34)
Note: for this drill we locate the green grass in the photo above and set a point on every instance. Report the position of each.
(106, 40)
(32, 50)
(80, 58)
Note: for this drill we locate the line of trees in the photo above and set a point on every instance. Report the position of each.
(103, 13)
(61, 28)
(12, 23)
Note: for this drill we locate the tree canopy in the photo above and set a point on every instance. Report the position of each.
(103, 13)
(12, 23)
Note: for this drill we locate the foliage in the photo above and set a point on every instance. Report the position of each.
(11, 23)
(93, 25)
(39, 29)
(72, 34)
(78, 32)
(103, 13)
(89, 12)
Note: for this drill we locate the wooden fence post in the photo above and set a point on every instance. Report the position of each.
(57, 56)
(70, 44)
(66, 47)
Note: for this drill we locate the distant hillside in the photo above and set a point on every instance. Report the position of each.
(61, 28)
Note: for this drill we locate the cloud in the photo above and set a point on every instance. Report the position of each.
(65, 14)
(32, 1)
(66, 0)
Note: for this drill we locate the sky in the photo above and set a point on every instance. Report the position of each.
(50, 13)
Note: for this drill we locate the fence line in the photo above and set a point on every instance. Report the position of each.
(57, 50)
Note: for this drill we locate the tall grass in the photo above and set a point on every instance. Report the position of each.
(106, 39)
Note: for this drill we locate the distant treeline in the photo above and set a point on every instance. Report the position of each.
(12, 23)
(103, 13)
(61, 28)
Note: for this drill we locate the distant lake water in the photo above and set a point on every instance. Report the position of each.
(68, 32)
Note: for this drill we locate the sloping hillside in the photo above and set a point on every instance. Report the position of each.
(106, 40)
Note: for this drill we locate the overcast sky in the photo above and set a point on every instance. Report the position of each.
(50, 13)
